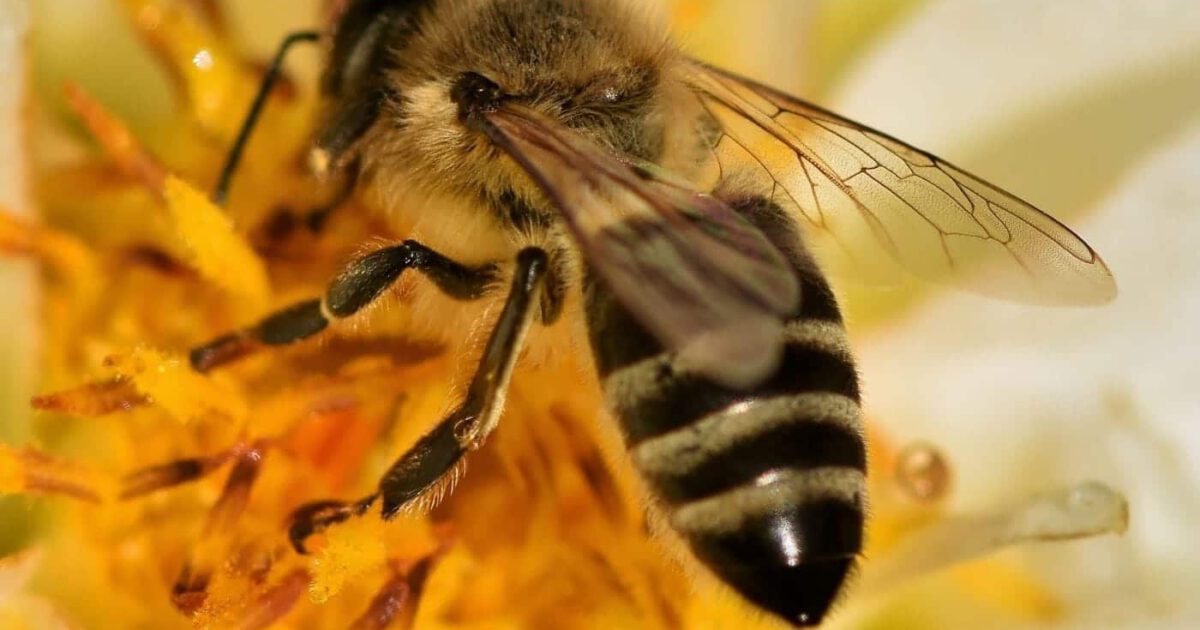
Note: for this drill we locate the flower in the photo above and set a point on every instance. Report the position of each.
(172, 489)
(1093, 118)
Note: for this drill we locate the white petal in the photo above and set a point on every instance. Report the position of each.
(1024, 397)
(1049, 99)
(975, 63)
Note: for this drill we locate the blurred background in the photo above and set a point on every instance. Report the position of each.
(1090, 109)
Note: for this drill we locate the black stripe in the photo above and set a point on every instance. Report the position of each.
(818, 530)
(818, 301)
(617, 339)
(801, 444)
(674, 401)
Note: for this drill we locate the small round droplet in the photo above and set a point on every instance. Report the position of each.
(923, 472)
(203, 60)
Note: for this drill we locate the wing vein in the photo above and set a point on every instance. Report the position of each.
(1050, 263)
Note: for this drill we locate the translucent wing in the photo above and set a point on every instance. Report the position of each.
(851, 182)
(698, 276)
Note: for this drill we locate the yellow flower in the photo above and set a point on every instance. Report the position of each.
(171, 490)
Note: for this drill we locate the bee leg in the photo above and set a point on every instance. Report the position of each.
(359, 284)
(432, 465)
(310, 518)
(347, 122)
(220, 192)
(333, 153)
(437, 455)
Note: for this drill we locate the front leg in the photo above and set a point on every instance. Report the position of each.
(431, 466)
(220, 192)
(360, 284)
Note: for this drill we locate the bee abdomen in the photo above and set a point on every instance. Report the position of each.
(767, 486)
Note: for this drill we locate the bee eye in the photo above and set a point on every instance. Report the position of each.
(473, 92)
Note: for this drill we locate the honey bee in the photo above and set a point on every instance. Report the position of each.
(573, 149)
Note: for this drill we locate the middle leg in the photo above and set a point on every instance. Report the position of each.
(360, 284)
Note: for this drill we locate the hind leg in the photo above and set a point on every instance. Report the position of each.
(421, 475)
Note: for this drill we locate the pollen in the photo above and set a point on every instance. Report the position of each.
(217, 252)
(350, 551)
(170, 383)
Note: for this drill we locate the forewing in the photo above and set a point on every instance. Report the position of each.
(864, 193)
(698, 276)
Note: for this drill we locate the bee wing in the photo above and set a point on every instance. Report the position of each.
(848, 181)
(698, 276)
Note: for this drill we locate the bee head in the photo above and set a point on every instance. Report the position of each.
(595, 66)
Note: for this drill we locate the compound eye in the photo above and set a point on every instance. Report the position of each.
(473, 92)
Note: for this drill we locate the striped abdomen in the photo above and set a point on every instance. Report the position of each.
(766, 486)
